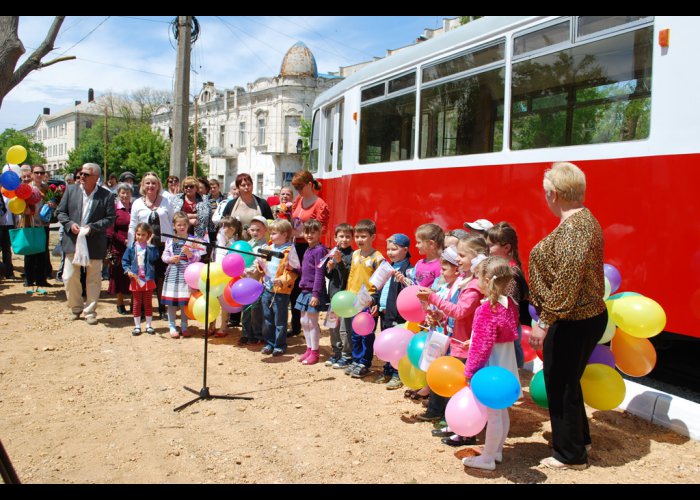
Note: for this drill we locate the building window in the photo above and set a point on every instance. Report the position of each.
(259, 182)
(261, 130)
(222, 136)
(241, 135)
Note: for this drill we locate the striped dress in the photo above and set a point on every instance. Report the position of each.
(176, 292)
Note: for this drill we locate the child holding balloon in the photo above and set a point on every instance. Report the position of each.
(138, 263)
(229, 232)
(337, 271)
(176, 293)
(312, 285)
(252, 316)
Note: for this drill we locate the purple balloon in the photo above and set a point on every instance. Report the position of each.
(228, 307)
(613, 276)
(602, 355)
(533, 312)
(246, 291)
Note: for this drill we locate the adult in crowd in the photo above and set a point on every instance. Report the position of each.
(112, 183)
(308, 205)
(130, 179)
(566, 288)
(39, 182)
(204, 189)
(246, 205)
(232, 195)
(35, 270)
(70, 179)
(117, 236)
(173, 187)
(283, 210)
(85, 211)
(153, 208)
(194, 205)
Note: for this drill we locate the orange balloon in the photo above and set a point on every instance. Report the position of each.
(7, 193)
(634, 356)
(445, 376)
(190, 304)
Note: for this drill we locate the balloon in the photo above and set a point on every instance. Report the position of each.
(445, 376)
(412, 377)
(495, 387)
(528, 352)
(190, 304)
(415, 348)
(602, 355)
(16, 169)
(390, 345)
(635, 357)
(606, 293)
(342, 304)
(10, 180)
(23, 191)
(227, 294)
(16, 154)
(624, 294)
(603, 388)
(363, 324)
(414, 327)
(639, 316)
(610, 328)
(7, 194)
(464, 414)
(200, 304)
(533, 312)
(613, 276)
(216, 274)
(246, 291)
(214, 290)
(228, 307)
(233, 265)
(192, 273)
(35, 197)
(17, 205)
(538, 390)
(409, 306)
(244, 246)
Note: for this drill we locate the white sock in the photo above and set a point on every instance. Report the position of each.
(137, 321)
(148, 321)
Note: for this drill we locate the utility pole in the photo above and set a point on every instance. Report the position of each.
(104, 172)
(180, 119)
(194, 138)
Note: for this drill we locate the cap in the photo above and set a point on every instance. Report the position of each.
(399, 239)
(457, 233)
(450, 255)
(127, 175)
(260, 218)
(479, 224)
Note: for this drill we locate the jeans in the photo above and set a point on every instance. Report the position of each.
(275, 308)
(252, 320)
(363, 347)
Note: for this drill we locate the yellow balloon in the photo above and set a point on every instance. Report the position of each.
(607, 289)
(639, 316)
(411, 376)
(17, 205)
(414, 327)
(610, 328)
(603, 388)
(217, 275)
(16, 154)
(199, 306)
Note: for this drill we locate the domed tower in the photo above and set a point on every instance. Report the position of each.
(299, 61)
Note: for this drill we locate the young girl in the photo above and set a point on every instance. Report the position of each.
(494, 329)
(430, 239)
(138, 263)
(231, 230)
(503, 242)
(312, 297)
(178, 254)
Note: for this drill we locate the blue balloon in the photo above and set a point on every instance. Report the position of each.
(495, 387)
(415, 348)
(623, 294)
(10, 180)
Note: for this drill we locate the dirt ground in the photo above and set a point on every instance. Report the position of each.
(92, 404)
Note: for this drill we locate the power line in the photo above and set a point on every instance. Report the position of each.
(124, 67)
(144, 19)
(90, 33)
(246, 45)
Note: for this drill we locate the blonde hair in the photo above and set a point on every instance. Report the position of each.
(142, 190)
(474, 242)
(281, 226)
(181, 216)
(431, 232)
(567, 180)
(498, 275)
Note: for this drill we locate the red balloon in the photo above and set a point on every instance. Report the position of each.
(528, 351)
(23, 191)
(227, 293)
(35, 197)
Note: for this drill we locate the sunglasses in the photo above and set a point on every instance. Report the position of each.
(39, 173)
(173, 181)
(83, 174)
(189, 186)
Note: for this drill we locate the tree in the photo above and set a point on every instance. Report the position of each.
(305, 134)
(35, 150)
(467, 19)
(202, 168)
(11, 49)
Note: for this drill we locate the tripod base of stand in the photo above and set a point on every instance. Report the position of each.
(203, 394)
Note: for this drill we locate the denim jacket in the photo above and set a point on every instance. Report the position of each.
(130, 264)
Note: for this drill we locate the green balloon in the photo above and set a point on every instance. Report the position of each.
(244, 246)
(342, 304)
(538, 391)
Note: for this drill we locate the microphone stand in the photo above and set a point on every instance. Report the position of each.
(203, 393)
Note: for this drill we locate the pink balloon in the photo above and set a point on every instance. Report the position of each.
(391, 344)
(233, 265)
(464, 414)
(228, 307)
(192, 273)
(410, 308)
(363, 323)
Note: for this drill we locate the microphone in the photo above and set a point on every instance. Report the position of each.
(270, 253)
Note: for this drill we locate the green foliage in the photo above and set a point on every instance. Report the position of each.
(305, 134)
(11, 137)
(202, 168)
(466, 19)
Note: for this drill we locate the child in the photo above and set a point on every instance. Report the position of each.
(229, 232)
(494, 329)
(503, 242)
(430, 239)
(397, 251)
(279, 280)
(337, 271)
(138, 263)
(252, 319)
(365, 261)
(178, 254)
(312, 297)
(453, 236)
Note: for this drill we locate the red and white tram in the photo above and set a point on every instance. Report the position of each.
(462, 127)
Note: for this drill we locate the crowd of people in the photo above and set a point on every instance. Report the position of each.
(471, 282)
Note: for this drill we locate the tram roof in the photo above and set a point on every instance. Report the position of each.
(475, 30)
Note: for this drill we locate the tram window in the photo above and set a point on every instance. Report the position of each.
(372, 92)
(463, 116)
(328, 116)
(588, 25)
(315, 144)
(464, 62)
(402, 82)
(591, 93)
(551, 35)
(386, 130)
(341, 107)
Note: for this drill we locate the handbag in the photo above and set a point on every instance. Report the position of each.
(28, 240)
(46, 213)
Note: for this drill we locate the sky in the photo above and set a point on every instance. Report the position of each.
(120, 54)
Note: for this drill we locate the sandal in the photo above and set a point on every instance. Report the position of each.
(41, 291)
(136, 331)
(150, 331)
(219, 333)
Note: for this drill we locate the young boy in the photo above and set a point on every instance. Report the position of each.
(337, 271)
(279, 281)
(365, 261)
(252, 318)
(397, 251)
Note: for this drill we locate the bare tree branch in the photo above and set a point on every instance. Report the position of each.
(64, 58)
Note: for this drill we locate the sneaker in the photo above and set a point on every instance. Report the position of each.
(360, 371)
(243, 341)
(341, 363)
(428, 417)
(553, 463)
(394, 383)
(350, 368)
(266, 350)
(479, 463)
(278, 351)
(174, 334)
(442, 432)
(332, 360)
(382, 379)
(74, 316)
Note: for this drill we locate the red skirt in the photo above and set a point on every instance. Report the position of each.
(134, 286)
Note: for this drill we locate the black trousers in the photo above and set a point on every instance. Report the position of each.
(6, 250)
(567, 348)
(296, 313)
